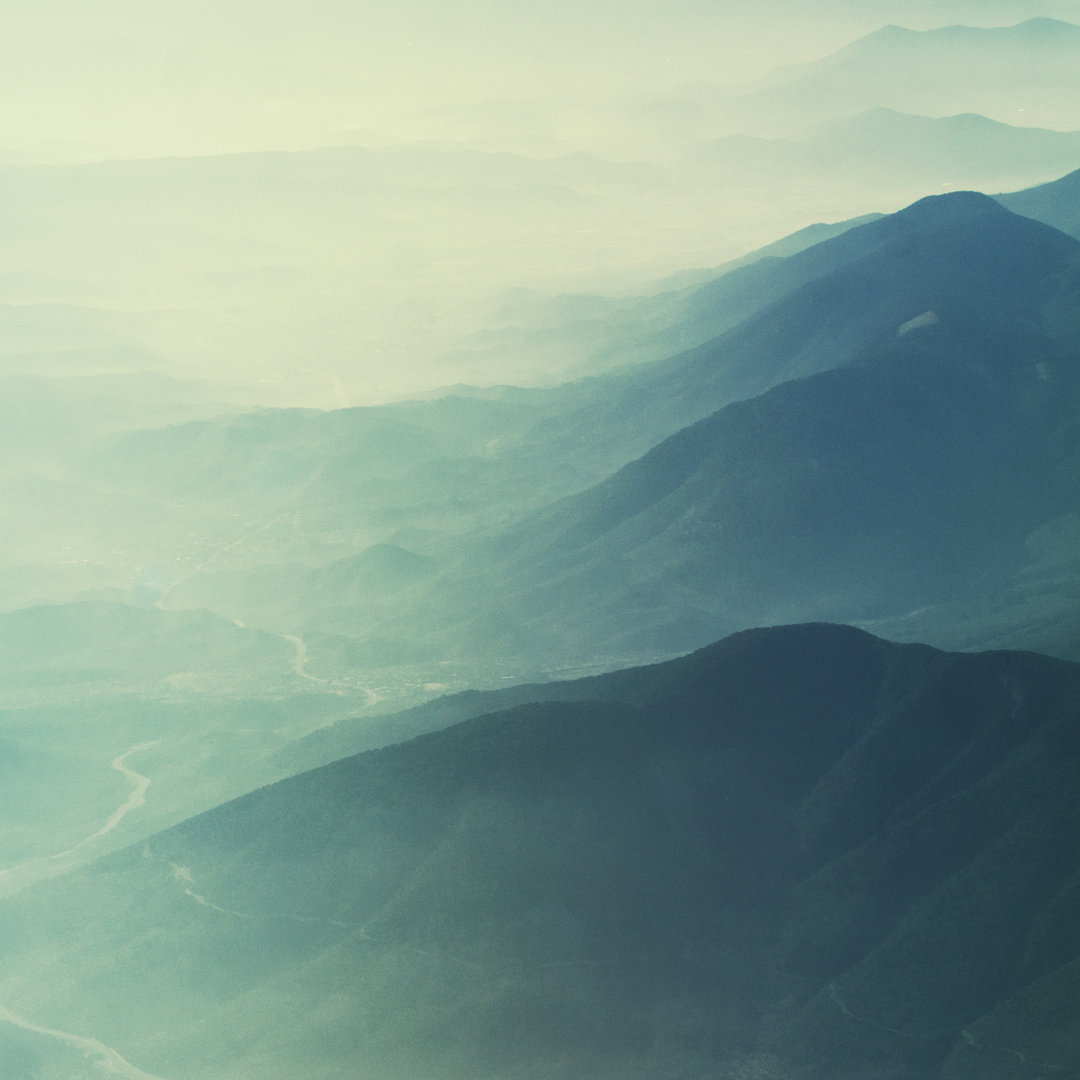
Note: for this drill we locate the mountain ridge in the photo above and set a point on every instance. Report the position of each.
(952, 372)
(962, 65)
(952, 308)
(697, 866)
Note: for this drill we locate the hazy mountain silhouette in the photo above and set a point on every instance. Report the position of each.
(915, 436)
(1054, 203)
(893, 152)
(738, 356)
(819, 308)
(797, 241)
(966, 150)
(800, 853)
(780, 318)
(885, 428)
(955, 69)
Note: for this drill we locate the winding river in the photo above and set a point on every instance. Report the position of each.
(104, 1056)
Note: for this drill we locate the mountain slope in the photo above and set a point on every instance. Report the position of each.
(863, 491)
(820, 308)
(1054, 203)
(761, 324)
(893, 430)
(1028, 70)
(918, 436)
(800, 853)
(891, 153)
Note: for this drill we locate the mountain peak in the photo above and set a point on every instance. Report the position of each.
(1042, 24)
(890, 30)
(953, 205)
(893, 43)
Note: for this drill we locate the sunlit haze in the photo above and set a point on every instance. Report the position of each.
(426, 158)
(539, 540)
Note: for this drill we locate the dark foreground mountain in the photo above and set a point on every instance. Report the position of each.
(799, 854)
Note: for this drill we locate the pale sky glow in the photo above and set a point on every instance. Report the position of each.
(119, 78)
(554, 145)
(368, 366)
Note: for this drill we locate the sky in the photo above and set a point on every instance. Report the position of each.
(106, 78)
(329, 281)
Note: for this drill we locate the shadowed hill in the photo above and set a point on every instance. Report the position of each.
(917, 437)
(821, 308)
(892, 432)
(799, 853)
(1056, 203)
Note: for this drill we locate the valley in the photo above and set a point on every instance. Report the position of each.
(484, 862)
(540, 544)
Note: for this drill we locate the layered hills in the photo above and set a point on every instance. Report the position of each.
(890, 151)
(1053, 203)
(798, 853)
(946, 71)
(879, 426)
(876, 428)
(317, 276)
(894, 433)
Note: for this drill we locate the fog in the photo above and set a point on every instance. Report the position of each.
(419, 160)
(355, 354)
(123, 79)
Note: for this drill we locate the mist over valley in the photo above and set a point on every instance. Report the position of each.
(540, 544)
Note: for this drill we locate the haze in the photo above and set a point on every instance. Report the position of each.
(321, 279)
(539, 541)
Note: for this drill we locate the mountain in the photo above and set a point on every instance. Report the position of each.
(1026, 72)
(800, 853)
(967, 149)
(894, 152)
(893, 444)
(780, 318)
(608, 334)
(45, 416)
(912, 444)
(1054, 203)
(847, 424)
(797, 241)
(897, 155)
(692, 307)
(306, 486)
(288, 536)
(823, 307)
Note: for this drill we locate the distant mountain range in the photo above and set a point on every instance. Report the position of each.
(873, 428)
(1054, 203)
(814, 846)
(316, 275)
(889, 150)
(914, 439)
(1026, 73)
(879, 427)
(695, 307)
(800, 853)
